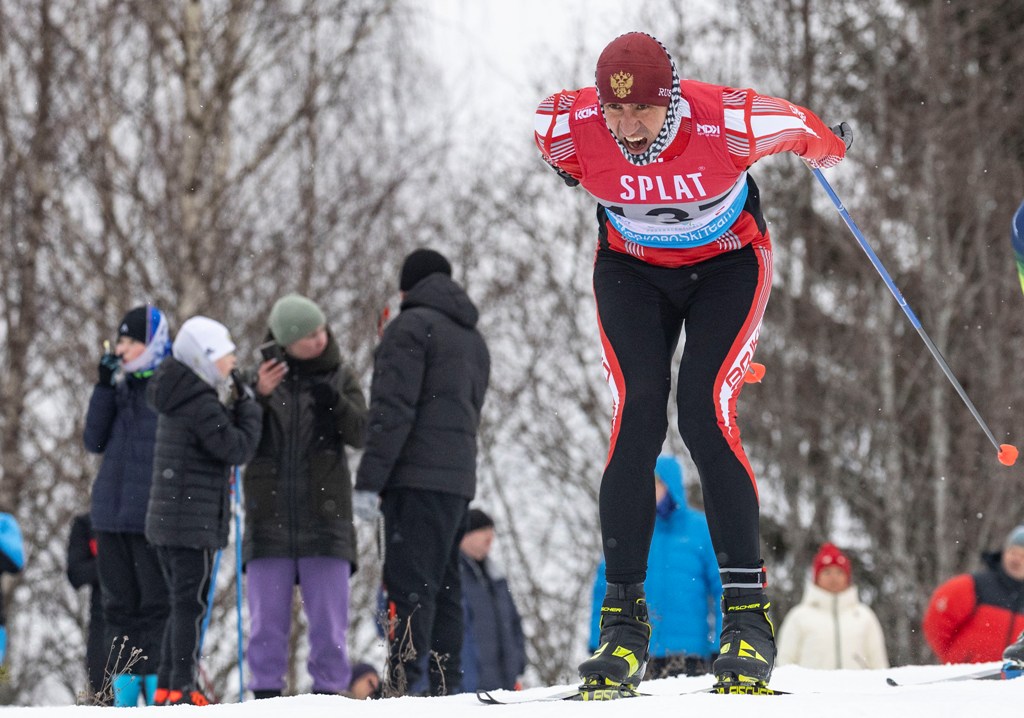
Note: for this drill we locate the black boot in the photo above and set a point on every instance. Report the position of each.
(747, 655)
(1014, 652)
(619, 662)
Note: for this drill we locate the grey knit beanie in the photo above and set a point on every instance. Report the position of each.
(294, 317)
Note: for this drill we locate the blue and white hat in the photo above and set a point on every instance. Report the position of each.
(146, 324)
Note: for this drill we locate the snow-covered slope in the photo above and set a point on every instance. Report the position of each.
(835, 694)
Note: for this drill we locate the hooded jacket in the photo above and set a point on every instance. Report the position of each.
(198, 439)
(430, 375)
(298, 489)
(971, 618)
(832, 630)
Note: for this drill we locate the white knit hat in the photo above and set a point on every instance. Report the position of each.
(201, 341)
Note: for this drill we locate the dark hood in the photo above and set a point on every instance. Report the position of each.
(438, 291)
(174, 385)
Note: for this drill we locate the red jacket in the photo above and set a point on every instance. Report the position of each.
(971, 618)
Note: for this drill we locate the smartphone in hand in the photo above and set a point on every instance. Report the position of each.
(271, 351)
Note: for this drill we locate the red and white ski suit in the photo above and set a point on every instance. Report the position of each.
(680, 240)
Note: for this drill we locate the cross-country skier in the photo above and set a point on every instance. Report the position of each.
(681, 239)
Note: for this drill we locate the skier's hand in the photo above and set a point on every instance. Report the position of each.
(844, 132)
(366, 504)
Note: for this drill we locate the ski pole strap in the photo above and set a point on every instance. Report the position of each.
(744, 578)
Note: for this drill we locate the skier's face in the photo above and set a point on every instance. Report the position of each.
(635, 126)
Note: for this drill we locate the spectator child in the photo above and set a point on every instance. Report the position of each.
(830, 628)
(493, 648)
(198, 440)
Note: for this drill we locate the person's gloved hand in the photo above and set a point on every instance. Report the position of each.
(366, 504)
(110, 364)
(325, 395)
(243, 392)
(844, 132)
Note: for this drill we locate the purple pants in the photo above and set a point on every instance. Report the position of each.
(323, 583)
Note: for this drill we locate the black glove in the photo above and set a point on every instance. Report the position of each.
(566, 177)
(243, 392)
(844, 132)
(108, 368)
(325, 396)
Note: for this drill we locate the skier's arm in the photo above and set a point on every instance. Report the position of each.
(770, 125)
(551, 133)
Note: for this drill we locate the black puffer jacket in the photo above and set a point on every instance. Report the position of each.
(430, 374)
(298, 489)
(198, 439)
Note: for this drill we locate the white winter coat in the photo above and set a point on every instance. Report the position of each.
(832, 630)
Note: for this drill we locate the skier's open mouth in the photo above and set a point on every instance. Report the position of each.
(635, 144)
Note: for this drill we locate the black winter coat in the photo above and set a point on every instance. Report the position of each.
(120, 425)
(298, 488)
(430, 374)
(494, 649)
(198, 440)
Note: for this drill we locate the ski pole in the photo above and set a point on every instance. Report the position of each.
(1007, 452)
(236, 489)
(209, 604)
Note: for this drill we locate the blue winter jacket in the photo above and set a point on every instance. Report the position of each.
(121, 426)
(12, 560)
(683, 587)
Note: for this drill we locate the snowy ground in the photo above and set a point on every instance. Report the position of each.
(837, 694)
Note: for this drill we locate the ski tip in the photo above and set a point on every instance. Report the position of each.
(1007, 454)
(891, 682)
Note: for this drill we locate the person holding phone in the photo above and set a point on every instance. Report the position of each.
(298, 493)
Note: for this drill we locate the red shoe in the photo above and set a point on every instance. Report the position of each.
(160, 696)
(191, 698)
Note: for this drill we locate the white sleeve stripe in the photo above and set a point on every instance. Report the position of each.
(735, 120)
(764, 125)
